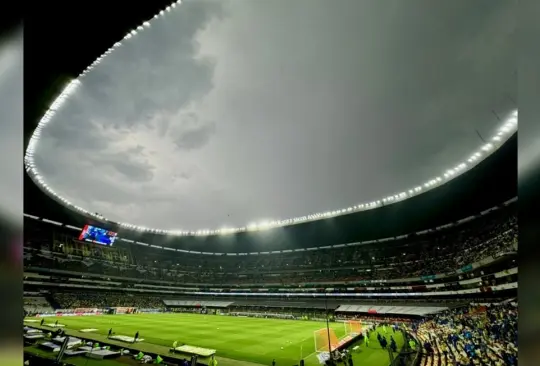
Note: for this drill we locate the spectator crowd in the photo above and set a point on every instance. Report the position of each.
(475, 335)
(425, 255)
(72, 300)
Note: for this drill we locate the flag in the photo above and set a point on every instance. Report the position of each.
(159, 359)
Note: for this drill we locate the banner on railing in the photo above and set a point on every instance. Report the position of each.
(125, 310)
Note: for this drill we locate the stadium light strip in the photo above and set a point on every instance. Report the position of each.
(507, 129)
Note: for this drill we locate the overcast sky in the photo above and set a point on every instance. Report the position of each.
(228, 112)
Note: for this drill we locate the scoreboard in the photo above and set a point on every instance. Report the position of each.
(97, 235)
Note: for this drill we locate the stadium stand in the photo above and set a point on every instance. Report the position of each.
(101, 300)
(425, 281)
(493, 235)
(478, 334)
(33, 303)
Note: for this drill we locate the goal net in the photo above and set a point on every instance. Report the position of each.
(353, 327)
(322, 341)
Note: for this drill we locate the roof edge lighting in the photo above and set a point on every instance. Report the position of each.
(506, 130)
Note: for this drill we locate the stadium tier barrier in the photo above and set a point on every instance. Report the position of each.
(263, 315)
(68, 312)
(150, 311)
(92, 311)
(198, 304)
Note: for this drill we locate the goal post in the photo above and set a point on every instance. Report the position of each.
(353, 327)
(321, 339)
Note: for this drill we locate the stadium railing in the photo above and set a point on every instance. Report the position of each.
(407, 356)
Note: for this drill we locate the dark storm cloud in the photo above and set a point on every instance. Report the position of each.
(123, 163)
(225, 112)
(195, 138)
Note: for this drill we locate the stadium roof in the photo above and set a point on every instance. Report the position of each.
(490, 184)
(169, 129)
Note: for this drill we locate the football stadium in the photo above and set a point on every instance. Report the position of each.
(423, 275)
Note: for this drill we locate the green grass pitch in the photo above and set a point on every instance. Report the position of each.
(246, 339)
